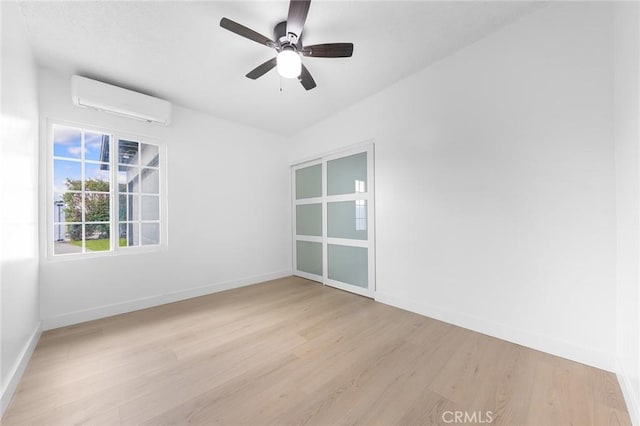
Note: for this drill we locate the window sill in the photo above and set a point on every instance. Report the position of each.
(55, 258)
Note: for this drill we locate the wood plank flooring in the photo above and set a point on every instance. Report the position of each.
(291, 351)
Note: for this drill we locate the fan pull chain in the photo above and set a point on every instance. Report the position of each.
(280, 84)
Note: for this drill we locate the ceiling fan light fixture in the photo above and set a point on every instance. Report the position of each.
(289, 63)
(288, 45)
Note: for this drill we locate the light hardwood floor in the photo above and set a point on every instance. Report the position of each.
(294, 352)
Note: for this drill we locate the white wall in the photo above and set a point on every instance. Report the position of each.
(495, 183)
(19, 307)
(627, 140)
(229, 220)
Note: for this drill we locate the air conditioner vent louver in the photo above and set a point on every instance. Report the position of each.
(116, 100)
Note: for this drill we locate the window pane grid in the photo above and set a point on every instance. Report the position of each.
(139, 194)
(82, 185)
(95, 174)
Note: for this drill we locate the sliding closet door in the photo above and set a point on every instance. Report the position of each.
(307, 219)
(336, 229)
(349, 249)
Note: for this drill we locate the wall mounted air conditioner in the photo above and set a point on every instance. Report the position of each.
(116, 100)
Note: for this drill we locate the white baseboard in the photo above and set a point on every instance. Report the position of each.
(84, 315)
(505, 332)
(628, 392)
(16, 373)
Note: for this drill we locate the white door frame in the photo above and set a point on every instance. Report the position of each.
(368, 196)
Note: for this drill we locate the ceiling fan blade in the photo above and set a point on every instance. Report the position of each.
(262, 69)
(305, 79)
(298, 10)
(329, 50)
(245, 32)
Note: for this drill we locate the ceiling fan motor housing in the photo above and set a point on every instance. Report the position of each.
(280, 35)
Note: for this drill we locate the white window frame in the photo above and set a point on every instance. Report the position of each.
(115, 136)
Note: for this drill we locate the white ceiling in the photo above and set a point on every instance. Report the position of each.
(177, 51)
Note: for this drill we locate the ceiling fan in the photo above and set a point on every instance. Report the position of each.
(288, 45)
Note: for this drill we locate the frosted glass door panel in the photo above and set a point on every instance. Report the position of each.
(347, 219)
(309, 219)
(309, 257)
(348, 264)
(309, 182)
(347, 175)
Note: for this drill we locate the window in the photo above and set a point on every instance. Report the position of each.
(106, 192)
